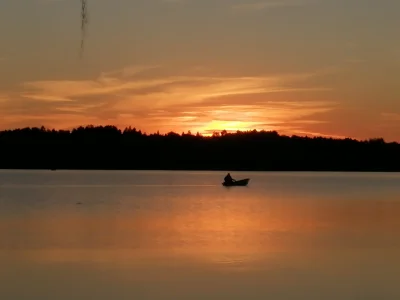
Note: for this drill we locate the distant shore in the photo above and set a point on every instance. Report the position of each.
(108, 148)
(207, 170)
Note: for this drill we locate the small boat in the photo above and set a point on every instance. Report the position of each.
(242, 182)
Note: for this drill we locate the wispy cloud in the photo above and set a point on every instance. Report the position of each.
(49, 1)
(146, 97)
(393, 117)
(264, 5)
(285, 116)
(174, 1)
(162, 90)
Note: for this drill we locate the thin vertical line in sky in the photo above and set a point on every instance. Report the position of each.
(84, 21)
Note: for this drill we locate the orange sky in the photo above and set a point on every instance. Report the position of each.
(298, 67)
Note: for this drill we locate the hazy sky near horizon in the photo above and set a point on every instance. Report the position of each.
(325, 67)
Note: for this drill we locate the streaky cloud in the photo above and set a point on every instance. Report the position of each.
(266, 5)
(156, 100)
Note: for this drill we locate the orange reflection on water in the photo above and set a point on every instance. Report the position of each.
(229, 232)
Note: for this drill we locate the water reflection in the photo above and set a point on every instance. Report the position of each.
(198, 242)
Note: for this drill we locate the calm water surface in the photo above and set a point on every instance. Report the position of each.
(181, 235)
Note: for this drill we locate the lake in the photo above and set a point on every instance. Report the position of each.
(182, 235)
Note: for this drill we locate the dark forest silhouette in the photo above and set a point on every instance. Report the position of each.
(107, 147)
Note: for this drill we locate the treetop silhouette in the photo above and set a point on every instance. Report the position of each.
(107, 147)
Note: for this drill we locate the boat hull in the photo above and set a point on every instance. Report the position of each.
(243, 182)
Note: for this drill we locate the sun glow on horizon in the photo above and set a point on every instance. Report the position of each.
(230, 126)
(289, 104)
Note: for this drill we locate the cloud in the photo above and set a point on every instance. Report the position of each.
(285, 116)
(154, 98)
(173, 1)
(392, 117)
(49, 1)
(161, 90)
(265, 5)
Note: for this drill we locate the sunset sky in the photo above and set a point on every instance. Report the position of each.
(306, 67)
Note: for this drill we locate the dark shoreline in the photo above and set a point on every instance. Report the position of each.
(108, 148)
(208, 170)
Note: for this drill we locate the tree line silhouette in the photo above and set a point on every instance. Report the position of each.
(107, 147)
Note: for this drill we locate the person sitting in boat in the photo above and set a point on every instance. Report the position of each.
(228, 178)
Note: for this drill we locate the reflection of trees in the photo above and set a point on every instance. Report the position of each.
(107, 147)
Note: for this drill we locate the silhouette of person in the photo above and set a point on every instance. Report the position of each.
(228, 178)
